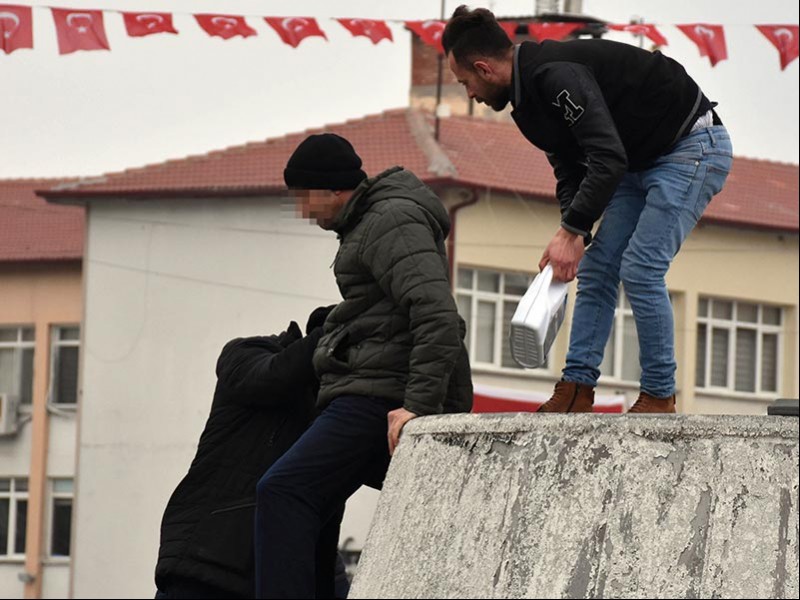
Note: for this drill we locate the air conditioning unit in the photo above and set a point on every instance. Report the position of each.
(9, 413)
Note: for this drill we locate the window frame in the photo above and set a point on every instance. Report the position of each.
(53, 496)
(732, 325)
(56, 343)
(14, 496)
(21, 345)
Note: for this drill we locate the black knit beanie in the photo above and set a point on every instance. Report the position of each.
(324, 162)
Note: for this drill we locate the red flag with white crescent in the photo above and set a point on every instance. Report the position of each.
(649, 31)
(784, 38)
(293, 30)
(710, 40)
(16, 28)
(224, 26)
(79, 29)
(552, 31)
(141, 24)
(430, 32)
(374, 30)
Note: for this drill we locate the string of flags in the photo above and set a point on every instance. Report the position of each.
(83, 29)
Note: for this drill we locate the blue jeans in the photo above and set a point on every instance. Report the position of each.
(345, 447)
(643, 227)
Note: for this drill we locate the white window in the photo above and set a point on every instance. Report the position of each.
(60, 516)
(739, 346)
(13, 516)
(16, 362)
(621, 356)
(487, 301)
(64, 380)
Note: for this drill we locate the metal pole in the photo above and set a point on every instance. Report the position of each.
(439, 85)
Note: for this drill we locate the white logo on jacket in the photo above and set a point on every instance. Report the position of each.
(572, 112)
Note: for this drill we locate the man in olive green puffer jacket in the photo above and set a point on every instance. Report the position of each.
(393, 350)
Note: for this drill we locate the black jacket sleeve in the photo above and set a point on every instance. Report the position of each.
(569, 176)
(571, 93)
(258, 377)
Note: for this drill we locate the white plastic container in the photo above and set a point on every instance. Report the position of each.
(538, 318)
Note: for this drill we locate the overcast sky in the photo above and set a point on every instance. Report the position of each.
(167, 96)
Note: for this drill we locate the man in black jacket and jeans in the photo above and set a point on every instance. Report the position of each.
(264, 401)
(631, 138)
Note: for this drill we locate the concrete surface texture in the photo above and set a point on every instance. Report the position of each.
(587, 506)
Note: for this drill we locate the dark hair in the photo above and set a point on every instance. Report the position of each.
(471, 33)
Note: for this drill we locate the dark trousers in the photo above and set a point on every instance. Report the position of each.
(345, 447)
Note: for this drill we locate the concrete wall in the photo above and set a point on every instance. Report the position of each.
(582, 506)
(167, 285)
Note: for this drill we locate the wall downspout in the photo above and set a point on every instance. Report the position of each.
(451, 239)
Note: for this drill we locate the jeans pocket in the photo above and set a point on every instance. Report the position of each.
(716, 170)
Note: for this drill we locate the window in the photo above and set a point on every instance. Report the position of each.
(66, 345)
(738, 346)
(16, 362)
(13, 516)
(487, 301)
(61, 517)
(621, 356)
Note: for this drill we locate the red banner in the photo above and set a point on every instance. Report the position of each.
(649, 31)
(430, 32)
(710, 39)
(510, 27)
(552, 31)
(141, 24)
(784, 38)
(16, 28)
(374, 30)
(225, 26)
(294, 30)
(79, 29)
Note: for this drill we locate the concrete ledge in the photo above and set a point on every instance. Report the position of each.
(581, 506)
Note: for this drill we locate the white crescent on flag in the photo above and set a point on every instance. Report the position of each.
(782, 33)
(366, 24)
(704, 31)
(73, 18)
(439, 28)
(287, 24)
(9, 16)
(224, 22)
(150, 21)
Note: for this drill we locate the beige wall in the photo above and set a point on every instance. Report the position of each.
(42, 295)
(504, 232)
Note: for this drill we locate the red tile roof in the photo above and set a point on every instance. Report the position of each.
(33, 230)
(481, 153)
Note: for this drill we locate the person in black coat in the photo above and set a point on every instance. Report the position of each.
(264, 400)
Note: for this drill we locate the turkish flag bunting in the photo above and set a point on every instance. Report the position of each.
(510, 27)
(294, 30)
(79, 29)
(16, 28)
(710, 39)
(552, 31)
(429, 32)
(374, 30)
(141, 24)
(649, 31)
(783, 37)
(224, 26)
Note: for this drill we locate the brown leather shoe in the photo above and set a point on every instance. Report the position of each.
(570, 397)
(650, 404)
